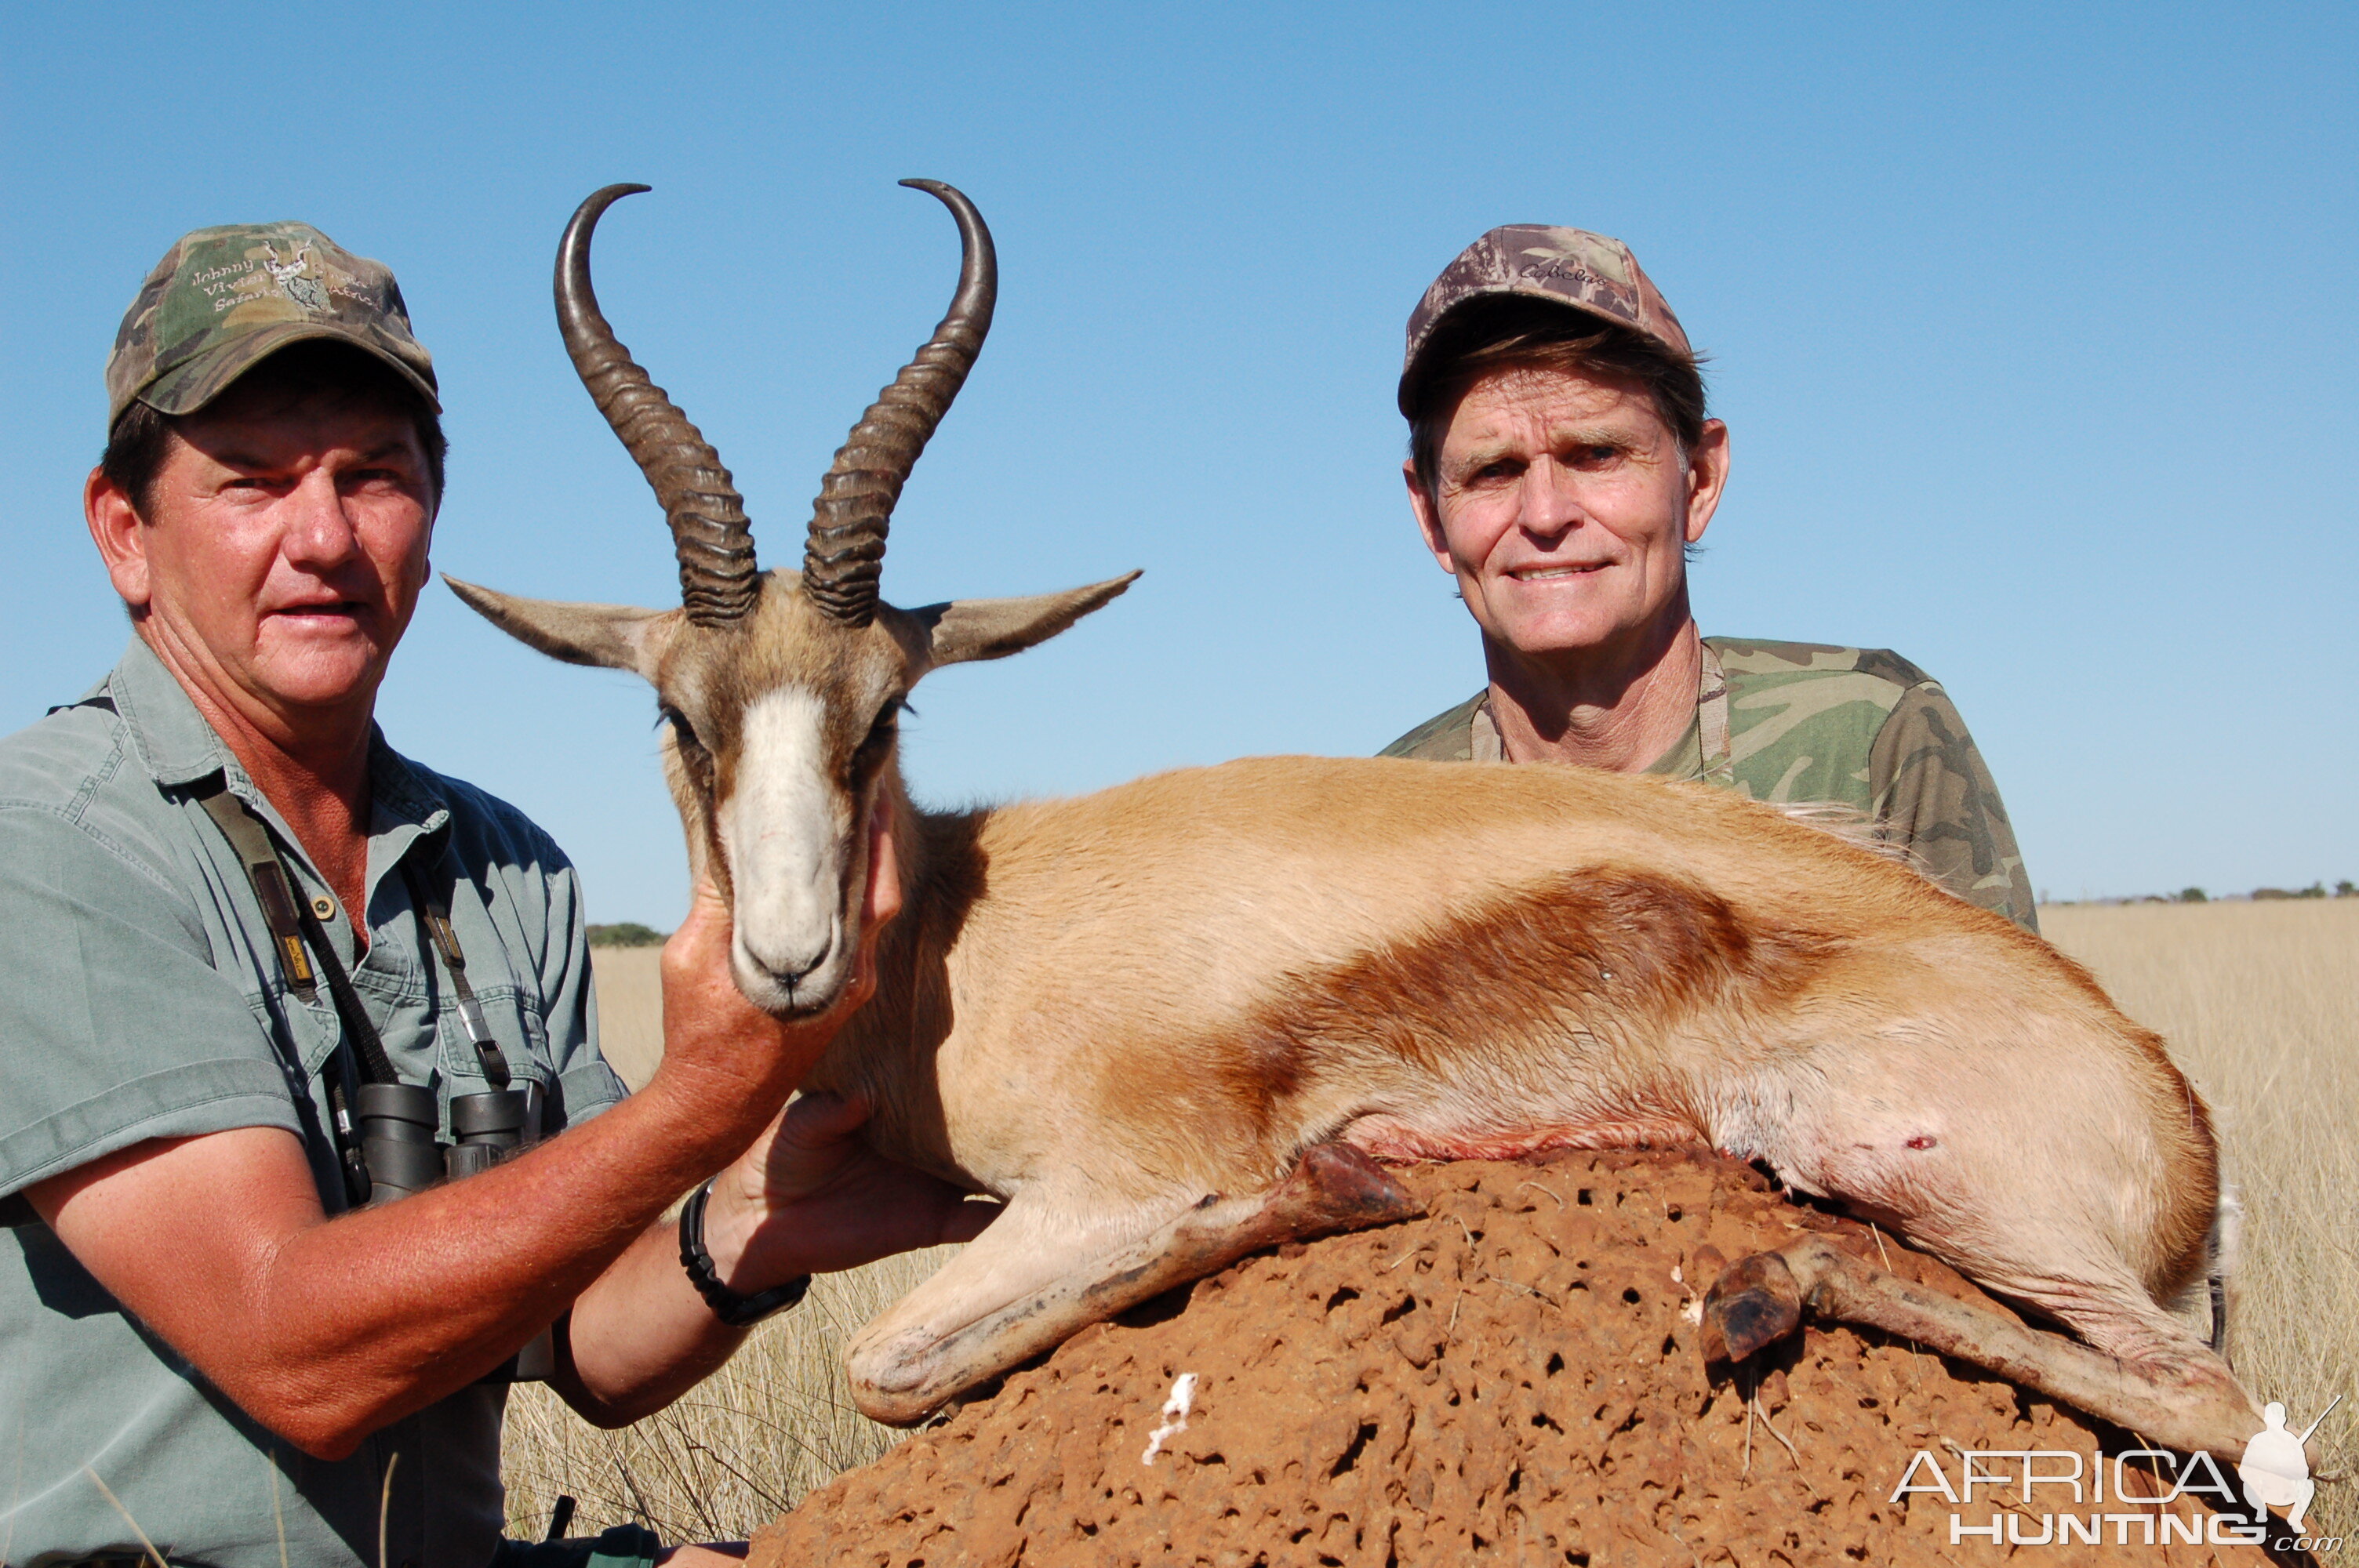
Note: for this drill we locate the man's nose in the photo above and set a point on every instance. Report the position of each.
(320, 532)
(1551, 501)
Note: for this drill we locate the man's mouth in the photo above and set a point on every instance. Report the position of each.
(334, 609)
(1549, 574)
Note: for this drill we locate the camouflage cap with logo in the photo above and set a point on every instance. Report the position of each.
(223, 299)
(1571, 266)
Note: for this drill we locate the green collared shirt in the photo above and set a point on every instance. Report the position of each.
(143, 1001)
(1804, 723)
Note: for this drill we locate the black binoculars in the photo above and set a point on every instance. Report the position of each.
(399, 1128)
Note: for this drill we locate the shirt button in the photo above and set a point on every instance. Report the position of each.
(325, 908)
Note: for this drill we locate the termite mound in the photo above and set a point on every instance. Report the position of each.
(1517, 1374)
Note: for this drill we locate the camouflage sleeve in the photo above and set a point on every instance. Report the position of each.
(1934, 796)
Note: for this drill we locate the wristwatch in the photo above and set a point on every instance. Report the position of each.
(736, 1310)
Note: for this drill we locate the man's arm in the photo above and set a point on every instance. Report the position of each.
(1934, 796)
(327, 1330)
(808, 1198)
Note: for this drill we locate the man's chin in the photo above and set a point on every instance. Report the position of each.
(323, 673)
(1559, 636)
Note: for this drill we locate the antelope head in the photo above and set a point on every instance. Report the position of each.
(779, 690)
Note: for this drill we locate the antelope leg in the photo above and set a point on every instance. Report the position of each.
(2184, 1399)
(901, 1378)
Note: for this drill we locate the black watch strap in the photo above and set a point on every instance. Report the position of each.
(736, 1310)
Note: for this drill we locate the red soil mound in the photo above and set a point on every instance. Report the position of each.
(1517, 1373)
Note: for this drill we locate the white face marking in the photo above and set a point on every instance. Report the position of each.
(783, 828)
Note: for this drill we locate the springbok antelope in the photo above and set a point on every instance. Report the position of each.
(1176, 1020)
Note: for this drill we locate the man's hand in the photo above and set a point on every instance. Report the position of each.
(720, 1050)
(803, 1195)
(811, 1197)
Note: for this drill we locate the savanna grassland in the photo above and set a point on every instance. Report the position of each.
(2260, 1004)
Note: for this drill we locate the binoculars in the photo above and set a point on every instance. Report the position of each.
(399, 1124)
(398, 1127)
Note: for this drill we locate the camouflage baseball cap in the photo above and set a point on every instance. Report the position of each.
(223, 299)
(1571, 266)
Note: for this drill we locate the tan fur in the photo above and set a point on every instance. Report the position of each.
(1230, 963)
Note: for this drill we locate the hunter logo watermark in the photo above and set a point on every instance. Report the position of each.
(2058, 1496)
(2274, 1470)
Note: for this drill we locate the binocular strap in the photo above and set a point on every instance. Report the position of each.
(436, 915)
(306, 957)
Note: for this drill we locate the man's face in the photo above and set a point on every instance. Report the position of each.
(1564, 509)
(284, 545)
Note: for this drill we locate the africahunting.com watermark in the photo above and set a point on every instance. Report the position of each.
(2141, 1497)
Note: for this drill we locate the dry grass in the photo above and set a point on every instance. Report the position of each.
(630, 1009)
(738, 1451)
(2258, 1001)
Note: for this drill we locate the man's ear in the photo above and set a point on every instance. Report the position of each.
(1707, 479)
(968, 629)
(612, 636)
(114, 529)
(1428, 519)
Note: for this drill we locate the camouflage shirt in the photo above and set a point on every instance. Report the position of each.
(1794, 722)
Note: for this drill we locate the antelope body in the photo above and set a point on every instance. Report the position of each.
(1174, 1020)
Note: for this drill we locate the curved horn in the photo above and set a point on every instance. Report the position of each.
(718, 580)
(845, 555)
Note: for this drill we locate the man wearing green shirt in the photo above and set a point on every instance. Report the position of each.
(1560, 464)
(230, 912)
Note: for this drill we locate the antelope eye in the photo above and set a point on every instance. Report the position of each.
(682, 730)
(879, 739)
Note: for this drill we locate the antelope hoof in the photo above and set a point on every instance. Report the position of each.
(1756, 1303)
(1336, 1187)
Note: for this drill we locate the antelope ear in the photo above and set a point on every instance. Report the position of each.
(613, 636)
(968, 629)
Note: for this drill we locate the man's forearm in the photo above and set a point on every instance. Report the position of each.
(640, 1336)
(327, 1331)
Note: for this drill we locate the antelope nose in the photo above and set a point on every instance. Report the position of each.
(791, 978)
(788, 963)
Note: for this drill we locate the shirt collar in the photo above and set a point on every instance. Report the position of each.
(172, 737)
(180, 748)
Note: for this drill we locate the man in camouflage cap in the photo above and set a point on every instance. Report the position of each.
(230, 912)
(1561, 466)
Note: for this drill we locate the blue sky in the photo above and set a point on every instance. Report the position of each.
(2034, 330)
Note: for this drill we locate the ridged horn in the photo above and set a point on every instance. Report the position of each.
(845, 555)
(718, 578)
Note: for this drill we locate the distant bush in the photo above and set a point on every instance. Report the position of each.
(627, 933)
(2346, 888)
(2193, 895)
